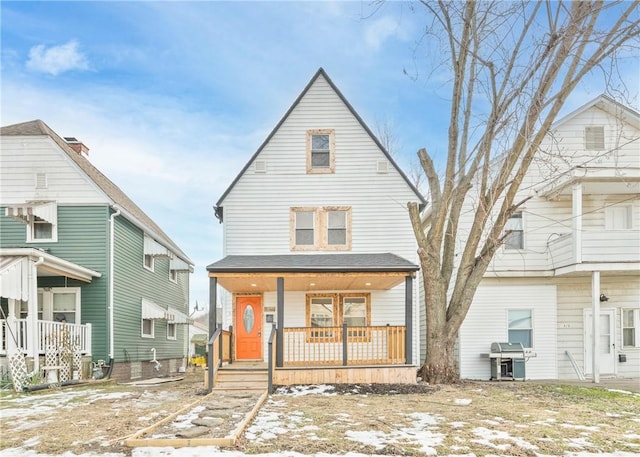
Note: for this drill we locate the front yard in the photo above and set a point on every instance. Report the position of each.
(470, 419)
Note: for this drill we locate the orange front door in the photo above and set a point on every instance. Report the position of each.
(248, 328)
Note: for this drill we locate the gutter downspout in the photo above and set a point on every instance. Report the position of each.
(111, 282)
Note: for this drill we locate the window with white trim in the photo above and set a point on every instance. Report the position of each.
(321, 151)
(60, 304)
(171, 330)
(173, 275)
(618, 217)
(149, 262)
(631, 328)
(148, 329)
(594, 137)
(520, 327)
(514, 232)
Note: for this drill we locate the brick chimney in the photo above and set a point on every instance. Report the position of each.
(77, 146)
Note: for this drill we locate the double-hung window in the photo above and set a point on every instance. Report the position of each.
(514, 232)
(618, 217)
(321, 151)
(321, 316)
(631, 328)
(520, 327)
(322, 229)
(327, 313)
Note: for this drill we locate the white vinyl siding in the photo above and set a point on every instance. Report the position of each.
(59, 181)
(487, 322)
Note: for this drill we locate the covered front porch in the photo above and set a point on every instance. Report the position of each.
(320, 317)
(38, 321)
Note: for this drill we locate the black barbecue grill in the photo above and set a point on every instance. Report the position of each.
(507, 361)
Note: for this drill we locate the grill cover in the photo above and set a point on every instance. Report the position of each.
(507, 347)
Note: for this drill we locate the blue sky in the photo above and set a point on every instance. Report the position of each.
(173, 98)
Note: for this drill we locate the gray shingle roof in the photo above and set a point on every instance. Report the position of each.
(39, 128)
(290, 263)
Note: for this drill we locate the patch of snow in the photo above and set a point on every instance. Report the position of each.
(463, 401)
(590, 428)
(488, 435)
(376, 438)
(320, 389)
(457, 424)
(578, 442)
(31, 441)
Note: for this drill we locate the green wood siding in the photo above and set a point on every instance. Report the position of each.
(135, 282)
(83, 238)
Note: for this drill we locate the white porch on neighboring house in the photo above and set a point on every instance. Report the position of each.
(32, 324)
(609, 246)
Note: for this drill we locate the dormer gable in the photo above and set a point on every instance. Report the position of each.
(321, 125)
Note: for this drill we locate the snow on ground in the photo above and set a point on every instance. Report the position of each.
(426, 431)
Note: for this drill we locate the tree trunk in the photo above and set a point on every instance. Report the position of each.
(440, 365)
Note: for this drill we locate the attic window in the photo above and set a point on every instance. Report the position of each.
(594, 137)
(321, 151)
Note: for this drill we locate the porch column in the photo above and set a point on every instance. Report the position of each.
(280, 320)
(595, 321)
(213, 303)
(576, 213)
(12, 326)
(33, 336)
(408, 318)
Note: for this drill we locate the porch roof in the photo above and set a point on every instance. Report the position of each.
(307, 272)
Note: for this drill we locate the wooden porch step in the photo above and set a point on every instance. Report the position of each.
(238, 378)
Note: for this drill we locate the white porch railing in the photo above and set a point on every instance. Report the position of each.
(597, 246)
(50, 333)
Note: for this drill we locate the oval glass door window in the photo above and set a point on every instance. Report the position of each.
(248, 319)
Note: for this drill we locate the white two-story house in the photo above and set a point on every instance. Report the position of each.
(573, 250)
(318, 245)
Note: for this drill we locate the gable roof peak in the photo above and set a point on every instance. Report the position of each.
(313, 79)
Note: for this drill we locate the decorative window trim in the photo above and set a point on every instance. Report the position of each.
(320, 229)
(338, 316)
(332, 148)
(147, 335)
(635, 328)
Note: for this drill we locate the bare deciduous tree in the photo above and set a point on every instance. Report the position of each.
(512, 65)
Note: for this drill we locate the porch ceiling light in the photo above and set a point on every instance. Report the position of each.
(312, 283)
(253, 285)
(367, 283)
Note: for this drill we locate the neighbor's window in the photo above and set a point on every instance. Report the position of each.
(173, 275)
(618, 217)
(149, 262)
(171, 330)
(630, 327)
(594, 137)
(521, 327)
(321, 312)
(320, 151)
(147, 328)
(514, 232)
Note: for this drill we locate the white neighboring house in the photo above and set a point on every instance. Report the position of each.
(573, 250)
(317, 236)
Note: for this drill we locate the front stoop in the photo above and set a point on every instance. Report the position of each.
(237, 378)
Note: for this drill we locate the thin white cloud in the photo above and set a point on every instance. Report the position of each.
(57, 59)
(380, 30)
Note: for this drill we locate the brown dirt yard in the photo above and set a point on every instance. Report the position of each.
(508, 418)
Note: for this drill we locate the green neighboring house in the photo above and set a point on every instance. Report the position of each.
(78, 258)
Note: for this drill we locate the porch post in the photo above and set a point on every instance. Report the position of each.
(213, 304)
(33, 336)
(280, 319)
(595, 321)
(576, 213)
(408, 317)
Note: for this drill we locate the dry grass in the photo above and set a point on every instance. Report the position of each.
(525, 418)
